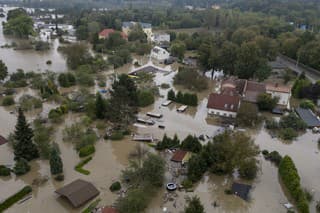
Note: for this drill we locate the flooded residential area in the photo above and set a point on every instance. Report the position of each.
(110, 110)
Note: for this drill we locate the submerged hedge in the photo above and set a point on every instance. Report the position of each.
(15, 198)
(79, 166)
(290, 178)
(86, 150)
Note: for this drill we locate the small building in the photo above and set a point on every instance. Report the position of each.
(308, 117)
(282, 92)
(104, 34)
(2, 140)
(181, 156)
(241, 190)
(225, 105)
(159, 54)
(78, 192)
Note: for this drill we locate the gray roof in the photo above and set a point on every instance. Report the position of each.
(78, 192)
(241, 190)
(308, 117)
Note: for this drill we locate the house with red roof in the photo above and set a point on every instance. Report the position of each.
(181, 156)
(104, 34)
(225, 104)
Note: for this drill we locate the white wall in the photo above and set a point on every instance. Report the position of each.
(222, 113)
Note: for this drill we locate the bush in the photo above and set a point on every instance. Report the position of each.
(292, 121)
(28, 102)
(15, 198)
(265, 152)
(21, 167)
(116, 136)
(308, 194)
(274, 157)
(187, 184)
(4, 171)
(8, 101)
(79, 166)
(272, 124)
(67, 79)
(288, 134)
(116, 186)
(49, 62)
(87, 150)
(291, 180)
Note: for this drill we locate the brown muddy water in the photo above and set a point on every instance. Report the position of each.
(30, 60)
(112, 157)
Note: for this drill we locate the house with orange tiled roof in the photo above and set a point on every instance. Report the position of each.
(104, 34)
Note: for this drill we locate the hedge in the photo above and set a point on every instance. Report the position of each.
(86, 150)
(291, 180)
(15, 198)
(116, 186)
(79, 166)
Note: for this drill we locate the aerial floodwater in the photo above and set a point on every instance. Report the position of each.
(30, 60)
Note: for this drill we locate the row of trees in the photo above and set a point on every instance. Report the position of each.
(190, 143)
(183, 98)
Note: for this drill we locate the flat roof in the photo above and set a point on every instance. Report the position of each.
(308, 117)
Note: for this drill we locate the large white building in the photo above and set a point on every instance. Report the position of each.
(159, 54)
(224, 105)
(280, 91)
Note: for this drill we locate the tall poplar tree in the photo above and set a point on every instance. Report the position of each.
(24, 146)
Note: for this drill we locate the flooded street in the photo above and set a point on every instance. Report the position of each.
(30, 60)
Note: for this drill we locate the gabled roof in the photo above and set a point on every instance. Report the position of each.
(225, 102)
(78, 192)
(179, 155)
(149, 67)
(2, 140)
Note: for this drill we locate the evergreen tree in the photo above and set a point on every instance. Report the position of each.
(3, 70)
(21, 167)
(100, 107)
(24, 147)
(56, 165)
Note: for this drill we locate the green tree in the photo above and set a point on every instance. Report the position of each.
(266, 102)
(18, 24)
(171, 95)
(137, 34)
(56, 165)
(3, 70)
(178, 49)
(247, 115)
(191, 143)
(100, 107)
(24, 146)
(194, 205)
(76, 54)
(145, 98)
(248, 169)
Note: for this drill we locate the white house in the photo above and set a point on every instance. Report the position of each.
(159, 54)
(224, 105)
(280, 91)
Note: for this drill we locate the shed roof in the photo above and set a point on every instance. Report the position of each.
(308, 117)
(78, 192)
(179, 155)
(241, 190)
(2, 140)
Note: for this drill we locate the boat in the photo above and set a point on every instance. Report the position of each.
(154, 115)
(166, 103)
(182, 108)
